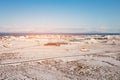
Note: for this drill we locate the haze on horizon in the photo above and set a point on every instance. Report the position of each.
(66, 16)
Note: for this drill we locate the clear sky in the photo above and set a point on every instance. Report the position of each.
(67, 16)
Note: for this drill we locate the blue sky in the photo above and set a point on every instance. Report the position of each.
(67, 16)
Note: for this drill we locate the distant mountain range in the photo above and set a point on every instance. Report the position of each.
(21, 34)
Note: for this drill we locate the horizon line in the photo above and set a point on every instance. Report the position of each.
(30, 33)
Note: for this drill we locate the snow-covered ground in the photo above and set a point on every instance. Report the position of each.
(86, 57)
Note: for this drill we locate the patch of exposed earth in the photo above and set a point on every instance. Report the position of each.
(58, 69)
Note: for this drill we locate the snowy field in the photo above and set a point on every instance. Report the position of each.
(60, 57)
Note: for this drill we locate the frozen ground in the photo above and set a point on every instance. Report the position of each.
(26, 58)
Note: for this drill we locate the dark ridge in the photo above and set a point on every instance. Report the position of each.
(22, 34)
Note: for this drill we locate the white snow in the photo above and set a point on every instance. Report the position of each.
(26, 58)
